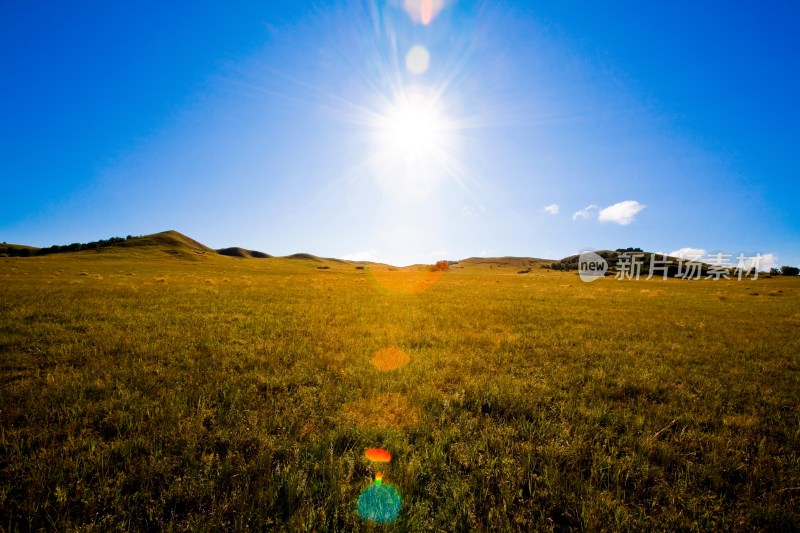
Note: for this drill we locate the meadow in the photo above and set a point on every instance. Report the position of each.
(161, 387)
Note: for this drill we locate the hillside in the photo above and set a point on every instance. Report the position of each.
(516, 262)
(170, 238)
(675, 266)
(177, 244)
(309, 257)
(235, 251)
(20, 250)
(171, 242)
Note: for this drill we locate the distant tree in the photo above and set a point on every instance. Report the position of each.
(25, 252)
(790, 271)
(774, 271)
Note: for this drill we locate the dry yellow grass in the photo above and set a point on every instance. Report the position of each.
(241, 394)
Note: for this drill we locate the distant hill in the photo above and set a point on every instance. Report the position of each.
(170, 238)
(304, 256)
(235, 251)
(171, 242)
(181, 246)
(516, 262)
(674, 265)
(17, 250)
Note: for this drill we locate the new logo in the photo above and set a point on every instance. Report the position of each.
(591, 266)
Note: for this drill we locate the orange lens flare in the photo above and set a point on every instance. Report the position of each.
(423, 11)
(390, 358)
(408, 280)
(426, 11)
(379, 456)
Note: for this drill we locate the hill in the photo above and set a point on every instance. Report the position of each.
(304, 256)
(235, 251)
(170, 238)
(17, 250)
(516, 262)
(675, 266)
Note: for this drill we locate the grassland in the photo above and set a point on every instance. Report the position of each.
(156, 387)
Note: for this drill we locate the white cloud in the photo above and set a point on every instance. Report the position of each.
(693, 254)
(552, 209)
(361, 256)
(768, 261)
(586, 212)
(621, 213)
(762, 263)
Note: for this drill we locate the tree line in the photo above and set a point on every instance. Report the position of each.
(61, 248)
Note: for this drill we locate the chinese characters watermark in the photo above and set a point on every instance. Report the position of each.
(633, 265)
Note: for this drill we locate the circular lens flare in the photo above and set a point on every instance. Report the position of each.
(390, 358)
(417, 59)
(379, 503)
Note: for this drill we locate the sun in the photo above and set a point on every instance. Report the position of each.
(412, 128)
(414, 143)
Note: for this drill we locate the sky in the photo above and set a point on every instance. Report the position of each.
(404, 131)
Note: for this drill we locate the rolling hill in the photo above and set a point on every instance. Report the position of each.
(235, 251)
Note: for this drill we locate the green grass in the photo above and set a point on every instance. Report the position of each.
(148, 390)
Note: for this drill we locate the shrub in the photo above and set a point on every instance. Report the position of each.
(440, 266)
(790, 271)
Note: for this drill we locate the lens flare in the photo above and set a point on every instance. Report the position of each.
(426, 12)
(409, 280)
(378, 455)
(379, 502)
(423, 11)
(417, 59)
(390, 358)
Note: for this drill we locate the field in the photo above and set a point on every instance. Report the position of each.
(154, 387)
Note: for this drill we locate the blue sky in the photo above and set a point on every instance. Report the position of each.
(274, 126)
